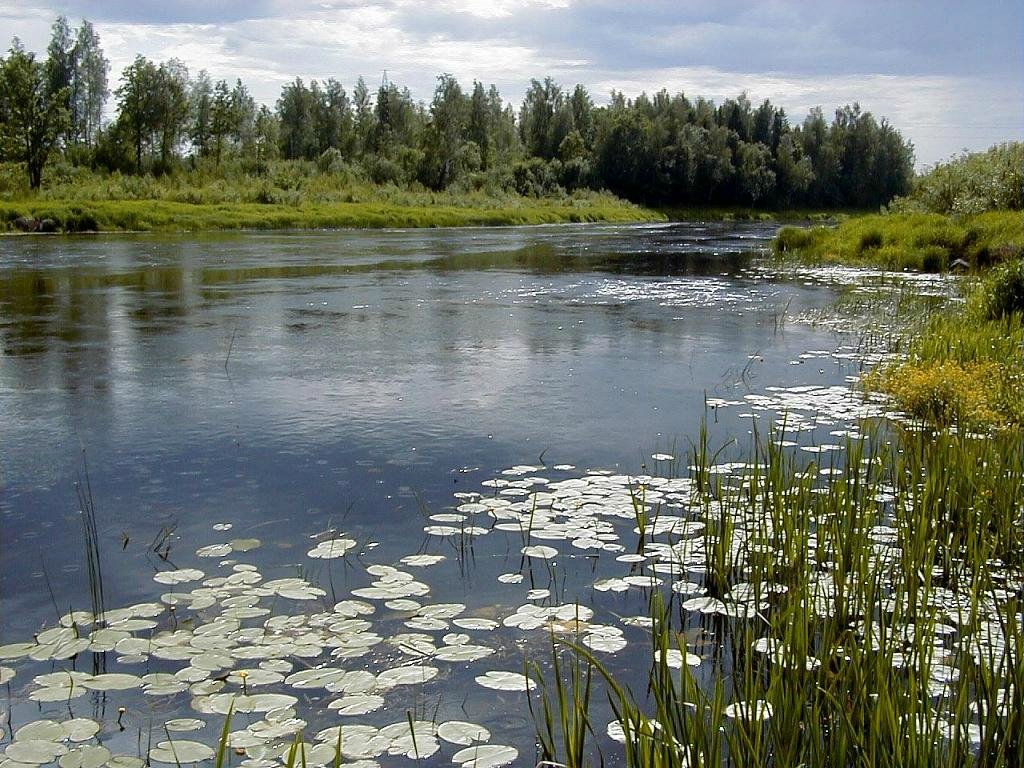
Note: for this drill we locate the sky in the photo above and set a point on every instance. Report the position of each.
(948, 75)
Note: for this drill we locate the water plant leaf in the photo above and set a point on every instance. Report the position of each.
(80, 728)
(113, 681)
(332, 548)
(181, 751)
(461, 732)
(506, 681)
(485, 756)
(183, 724)
(540, 551)
(411, 675)
(357, 704)
(749, 710)
(85, 756)
(41, 730)
(35, 751)
(475, 623)
(178, 576)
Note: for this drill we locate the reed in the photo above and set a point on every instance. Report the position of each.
(884, 627)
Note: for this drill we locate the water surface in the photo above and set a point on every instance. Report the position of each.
(293, 383)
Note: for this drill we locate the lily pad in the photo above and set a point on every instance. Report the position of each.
(506, 681)
(183, 724)
(461, 732)
(485, 756)
(179, 576)
(182, 751)
(85, 756)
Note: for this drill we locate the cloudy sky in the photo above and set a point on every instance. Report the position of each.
(949, 75)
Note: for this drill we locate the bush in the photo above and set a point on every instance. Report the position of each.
(868, 240)
(1002, 292)
(945, 392)
(794, 238)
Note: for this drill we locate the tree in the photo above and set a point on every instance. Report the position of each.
(34, 114)
(153, 107)
(754, 173)
(75, 61)
(265, 138)
(223, 118)
(91, 88)
(201, 98)
(296, 116)
(172, 108)
(443, 139)
(61, 66)
(137, 105)
(537, 126)
(362, 105)
(396, 119)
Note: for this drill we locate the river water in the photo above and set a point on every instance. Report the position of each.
(290, 384)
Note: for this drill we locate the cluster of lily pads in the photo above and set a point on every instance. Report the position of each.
(270, 660)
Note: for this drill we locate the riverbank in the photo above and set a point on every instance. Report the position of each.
(963, 365)
(927, 242)
(174, 216)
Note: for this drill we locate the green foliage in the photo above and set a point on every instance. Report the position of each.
(843, 672)
(970, 184)
(1001, 293)
(662, 149)
(924, 242)
(33, 114)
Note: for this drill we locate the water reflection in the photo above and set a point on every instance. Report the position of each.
(286, 382)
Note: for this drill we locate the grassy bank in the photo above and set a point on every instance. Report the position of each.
(173, 216)
(966, 368)
(926, 242)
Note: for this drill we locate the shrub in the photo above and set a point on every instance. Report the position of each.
(945, 392)
(868, 240)
(794, 238)
(1002, 292)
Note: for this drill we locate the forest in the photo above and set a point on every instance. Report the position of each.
(665, 149)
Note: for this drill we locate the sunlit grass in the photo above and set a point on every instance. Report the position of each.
(924, 242)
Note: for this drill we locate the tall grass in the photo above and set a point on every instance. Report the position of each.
(927, 242)
(887, 629)
(291, 194)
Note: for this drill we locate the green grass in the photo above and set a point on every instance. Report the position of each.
(908, 241)
(171, 216)
(290, 195)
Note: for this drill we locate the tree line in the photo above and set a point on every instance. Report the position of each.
(665, 149)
